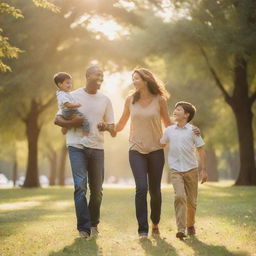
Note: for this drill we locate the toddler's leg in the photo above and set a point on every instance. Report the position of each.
(86, 127)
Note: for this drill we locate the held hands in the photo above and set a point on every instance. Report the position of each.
(102, 127)
(203, 176)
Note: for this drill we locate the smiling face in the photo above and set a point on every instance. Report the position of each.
(179, 114)
(138, 82)
(66, 85)
(94, 77)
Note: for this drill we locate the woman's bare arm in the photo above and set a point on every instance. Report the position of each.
(125, 116)
(165, 116)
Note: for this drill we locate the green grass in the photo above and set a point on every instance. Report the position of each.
(42, 222)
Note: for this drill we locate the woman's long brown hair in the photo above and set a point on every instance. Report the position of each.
(155, 86)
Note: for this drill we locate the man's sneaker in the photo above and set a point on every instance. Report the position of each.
(94, 232)
(191, 231)
(181, 235)
(84, 234)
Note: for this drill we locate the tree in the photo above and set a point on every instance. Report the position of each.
(6, 49)
(217, 39)
(49, 46)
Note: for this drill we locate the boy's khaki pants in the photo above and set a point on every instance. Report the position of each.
(185, 186)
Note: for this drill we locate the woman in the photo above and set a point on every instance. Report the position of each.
(147, 106)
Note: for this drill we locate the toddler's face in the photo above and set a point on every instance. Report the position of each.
(66, 85)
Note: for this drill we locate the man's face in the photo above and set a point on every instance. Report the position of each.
(95, 77)
(179, 114)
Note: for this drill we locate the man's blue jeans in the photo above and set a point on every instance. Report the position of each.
(87, 167)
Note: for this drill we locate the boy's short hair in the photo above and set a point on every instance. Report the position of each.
(188, 108)
(60, 77)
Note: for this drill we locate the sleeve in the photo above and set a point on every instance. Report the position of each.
(165, 137)
(199, 142)
(64, 98)
(109, 113)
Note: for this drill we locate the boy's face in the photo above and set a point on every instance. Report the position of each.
(179, 114)
(66, 85)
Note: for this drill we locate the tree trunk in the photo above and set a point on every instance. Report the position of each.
(212, 165)
(247, 173)
(32, 133)
(62, 165)
(233, 160)
(53, 168)
(15, 172)
(241, 106)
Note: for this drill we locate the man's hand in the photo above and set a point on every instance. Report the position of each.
(196, 130)
(203, 176)
(102, 127)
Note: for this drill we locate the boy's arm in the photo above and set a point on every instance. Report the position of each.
(165, 139)
(72, 105)
(77, 121)
(202, 158)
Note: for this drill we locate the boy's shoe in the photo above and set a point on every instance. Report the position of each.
(191, 231)
(84, 235)
(155, 230)
(94, 232)
(181, 235)
(143, 235)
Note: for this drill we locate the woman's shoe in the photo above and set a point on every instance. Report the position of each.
(155, 230)
(143, 235)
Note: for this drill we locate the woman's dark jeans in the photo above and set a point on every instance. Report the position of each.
(147, 171)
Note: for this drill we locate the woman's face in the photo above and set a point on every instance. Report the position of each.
(138, 82)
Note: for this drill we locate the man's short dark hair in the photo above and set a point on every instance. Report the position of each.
(60, 77)
(188, 108)
(91, 70)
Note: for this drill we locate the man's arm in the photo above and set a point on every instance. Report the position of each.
(202, 158)
(72, 105)
(77, 121)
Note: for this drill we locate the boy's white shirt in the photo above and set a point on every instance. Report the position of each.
(182, 147)
(64, 97)
(96, 108)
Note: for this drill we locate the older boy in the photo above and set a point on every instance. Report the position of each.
(183, 164)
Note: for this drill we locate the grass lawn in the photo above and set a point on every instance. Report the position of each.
(42, 222)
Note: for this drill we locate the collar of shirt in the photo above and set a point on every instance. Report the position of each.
(186, 126)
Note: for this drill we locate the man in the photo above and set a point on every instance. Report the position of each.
(87, 159)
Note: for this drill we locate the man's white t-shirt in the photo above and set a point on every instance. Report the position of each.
(96, 108)
(182, 147)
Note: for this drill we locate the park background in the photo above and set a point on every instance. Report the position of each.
(204, 51)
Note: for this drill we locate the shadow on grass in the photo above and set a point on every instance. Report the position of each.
(80, 247)
(203, 249)
(160, 248)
